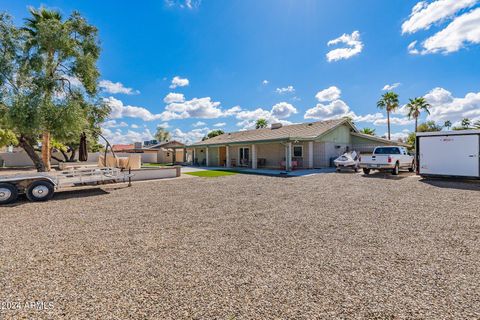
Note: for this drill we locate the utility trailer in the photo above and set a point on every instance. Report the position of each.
(40, 186)
(448, 154)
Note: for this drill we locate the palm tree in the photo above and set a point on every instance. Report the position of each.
(368, 131)
(389, 102)
(447, 124)
(415, 107)
(261, 123)
(162, 135)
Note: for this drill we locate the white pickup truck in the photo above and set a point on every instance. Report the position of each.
(388, 158)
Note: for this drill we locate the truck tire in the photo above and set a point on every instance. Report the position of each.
(8, 193)
(396, 169)
(366, 170)
(40, 191)
(412, 168)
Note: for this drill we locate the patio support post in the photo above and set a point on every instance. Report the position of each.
(174, 156)
(229, 162)
(184, 155)
(310, 154)
(207, 161)
(254, 156)
(193, 156)
(288, 156)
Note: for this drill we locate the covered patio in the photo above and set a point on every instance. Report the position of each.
(273, 155)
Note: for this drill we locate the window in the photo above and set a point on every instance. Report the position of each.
(387, 150)
(298, 151)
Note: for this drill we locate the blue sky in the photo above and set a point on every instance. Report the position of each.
(286, 60)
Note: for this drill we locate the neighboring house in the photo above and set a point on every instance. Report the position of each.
(122, 147)
(169, 151)
(306, 145)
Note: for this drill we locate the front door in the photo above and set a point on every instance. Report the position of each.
(244, 157)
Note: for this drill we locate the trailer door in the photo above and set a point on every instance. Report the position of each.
(456, 155)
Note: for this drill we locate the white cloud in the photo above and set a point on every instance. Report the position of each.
(119, 110)
(396, 136)
(337, 108)
(278, 113)
(199, 124)
(183, 4)
(113, 124)
(353, 43)
(283, 110)
(393, 120)
(163, 125)
(179, 82)
(174, 97)
(130, 136)
(444, 106)
(203, 108)
(462, 30)
(329, 94)
(389, 87)
(425, 14)
(265, 82)
(189, 136)
(116, 87)
(334, 110)
(288, 89)
(220, 124)
(134, 126)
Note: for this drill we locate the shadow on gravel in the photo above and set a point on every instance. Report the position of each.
(460, 184)
(70, 194)
(387, 175)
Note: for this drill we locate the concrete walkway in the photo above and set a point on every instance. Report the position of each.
(267, 172)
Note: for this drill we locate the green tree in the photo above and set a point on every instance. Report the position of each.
(429, 126)
(368, 131)
(447, 124)
(162, 135)
(415, 107)
(476, 125)
(213, 133)
(464, 125)
(389, 102)
(261, 123)
(48, 79)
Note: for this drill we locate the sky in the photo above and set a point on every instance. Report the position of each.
(193, 66)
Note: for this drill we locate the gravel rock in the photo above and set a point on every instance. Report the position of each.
(328, 246)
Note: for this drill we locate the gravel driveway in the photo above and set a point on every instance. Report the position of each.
(329, 246)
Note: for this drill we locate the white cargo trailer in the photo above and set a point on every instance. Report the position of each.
(449, 153)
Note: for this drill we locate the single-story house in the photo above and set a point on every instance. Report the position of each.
(305, 145)
(169, 151)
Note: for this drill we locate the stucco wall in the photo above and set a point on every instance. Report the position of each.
(274, 153)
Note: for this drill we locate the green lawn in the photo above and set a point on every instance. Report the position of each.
(155, 165)
(211, 173)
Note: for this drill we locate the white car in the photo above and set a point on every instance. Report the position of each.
(388, 158)
(349, 160)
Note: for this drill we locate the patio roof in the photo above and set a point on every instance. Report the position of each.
(302, 131)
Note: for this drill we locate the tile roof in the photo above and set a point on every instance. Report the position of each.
(287, 132)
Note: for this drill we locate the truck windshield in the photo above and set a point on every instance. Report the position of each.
(387, 150)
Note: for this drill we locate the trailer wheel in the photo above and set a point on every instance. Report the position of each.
(396, 170)
(366, 170)
(8, 193)
(40, 191)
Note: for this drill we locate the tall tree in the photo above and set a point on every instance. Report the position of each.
(261, 123)
(368, 131)
(48, 79)
(162, 134)
(389, 102)
(415, 107)
(429, 126)
(466, 123)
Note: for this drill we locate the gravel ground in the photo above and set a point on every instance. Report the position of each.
(329, 246)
